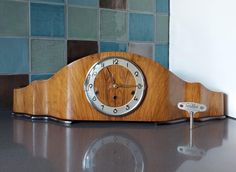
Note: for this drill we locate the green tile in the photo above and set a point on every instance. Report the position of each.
(83, 23)
(142, 5)
(113, 25)
(162, 28)
(47, 55)
(13, 18)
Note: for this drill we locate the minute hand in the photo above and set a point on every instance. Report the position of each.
(128, 86)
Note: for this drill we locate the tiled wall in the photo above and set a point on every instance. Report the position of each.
(38, 37)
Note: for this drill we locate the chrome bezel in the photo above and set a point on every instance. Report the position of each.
(119, 110)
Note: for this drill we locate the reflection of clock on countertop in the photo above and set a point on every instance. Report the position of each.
(124, 154)
(120, 147)
(115, 86)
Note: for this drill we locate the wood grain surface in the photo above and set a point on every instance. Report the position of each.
(62, 96)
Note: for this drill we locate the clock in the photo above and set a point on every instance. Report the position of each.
(115, 86)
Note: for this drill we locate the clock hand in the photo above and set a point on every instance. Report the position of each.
(111, 76)
(126, 86)
(115, 85)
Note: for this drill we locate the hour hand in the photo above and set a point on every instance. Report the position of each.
(111, 76)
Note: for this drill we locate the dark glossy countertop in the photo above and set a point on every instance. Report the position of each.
(34, 146)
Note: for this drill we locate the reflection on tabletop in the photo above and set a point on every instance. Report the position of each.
(116, 147)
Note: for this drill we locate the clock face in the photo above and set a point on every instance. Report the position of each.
(115, 86)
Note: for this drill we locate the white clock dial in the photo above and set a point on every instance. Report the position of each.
(116, 86)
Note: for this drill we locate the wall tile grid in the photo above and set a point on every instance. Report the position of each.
(38, 37)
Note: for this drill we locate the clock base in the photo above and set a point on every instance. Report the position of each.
(46, 118)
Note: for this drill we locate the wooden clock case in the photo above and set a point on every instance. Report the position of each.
(63, 97)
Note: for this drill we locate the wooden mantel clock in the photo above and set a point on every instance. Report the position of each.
(115, 86)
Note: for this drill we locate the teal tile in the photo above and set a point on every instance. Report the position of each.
(162, 55)
(47, 20)
(40, 77)
(162, 28)
(141, 27)
(162, 6)
(113, 25)
(14, 56)
(47, 56)
(142, 5)
(89, 3)
(83, 23)
(13, 18)
(143, 49)
(113, 46)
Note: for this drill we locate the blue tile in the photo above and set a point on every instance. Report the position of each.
(89, 3)
(112, 46)
(40, 77)
(162, 55)
(14, 56)
(162, 6)
(141, 27)
(56, 1)
(47, 20)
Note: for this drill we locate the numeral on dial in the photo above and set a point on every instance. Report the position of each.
(94, 98)
(135, 98)
(115, 61)
(115, 111)
(102, 107)
(136, 73)
(127, 107)
(90, 85)
(140, 86)
(102, 64)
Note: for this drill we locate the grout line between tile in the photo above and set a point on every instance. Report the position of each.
(14, 37)
(47, 38)
(99, 29)
(81, 6)
(29, 40)
(66, 30)
(47, 3)
(155, 32)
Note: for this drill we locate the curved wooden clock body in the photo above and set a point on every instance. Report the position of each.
(62, 96)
